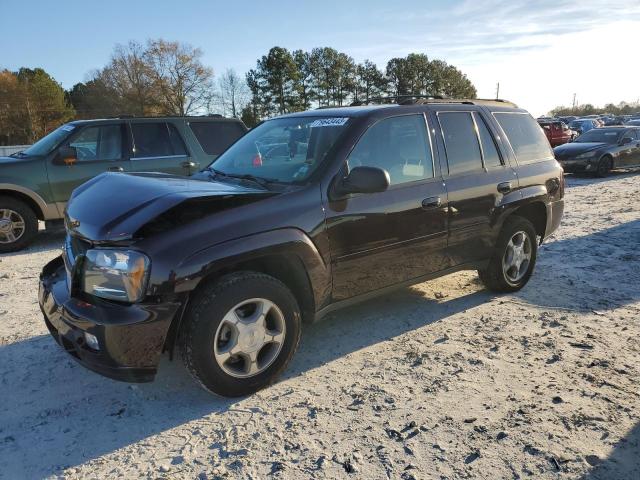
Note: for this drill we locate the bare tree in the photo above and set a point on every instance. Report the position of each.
(233, 93)
(183, 82)
(130, 76)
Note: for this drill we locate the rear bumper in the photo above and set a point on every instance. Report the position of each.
(130, 337)
(555, 211)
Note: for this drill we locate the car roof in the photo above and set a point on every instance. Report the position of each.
(203, 118)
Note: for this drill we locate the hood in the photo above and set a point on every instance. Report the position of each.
(10, 160)
(576, 148)
(115, 206)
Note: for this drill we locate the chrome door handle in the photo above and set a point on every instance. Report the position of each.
(505, 187)
(116, 169)
(431, 202)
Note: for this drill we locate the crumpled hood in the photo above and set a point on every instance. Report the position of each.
(576, 148)
(114, 206)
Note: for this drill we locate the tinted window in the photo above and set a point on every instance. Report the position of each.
(215, 137)
(460, 142)
(489, 151)
(98, 143)
(399, 145)
(525, 136)
(156, 140)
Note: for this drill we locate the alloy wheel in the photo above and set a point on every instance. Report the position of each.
(12, 226)
(517, 257)
(249, 338)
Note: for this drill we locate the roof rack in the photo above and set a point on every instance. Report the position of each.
(425, 99)
(128, 115)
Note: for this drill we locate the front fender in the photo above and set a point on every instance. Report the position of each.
(287, 241)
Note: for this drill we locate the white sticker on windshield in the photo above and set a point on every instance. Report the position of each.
(67, 128)
(329, 122)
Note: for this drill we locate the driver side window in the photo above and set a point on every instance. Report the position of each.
(98, 143)
(398, 145)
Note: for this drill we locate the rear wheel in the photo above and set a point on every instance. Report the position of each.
(18, 224)
(240, 333)
(604, 167)
(514, 257)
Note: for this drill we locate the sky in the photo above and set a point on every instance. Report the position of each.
(542, 52)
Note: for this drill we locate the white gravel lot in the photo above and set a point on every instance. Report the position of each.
(443, 380)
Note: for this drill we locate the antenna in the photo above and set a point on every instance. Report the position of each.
(497, 90)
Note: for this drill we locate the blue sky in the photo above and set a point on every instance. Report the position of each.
(541, 51)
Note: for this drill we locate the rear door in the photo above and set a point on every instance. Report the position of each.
(99, 148)
(158, 147)
(477, 175)
(630, 153)
(381, 239)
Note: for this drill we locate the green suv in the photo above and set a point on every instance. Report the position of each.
(36, 183)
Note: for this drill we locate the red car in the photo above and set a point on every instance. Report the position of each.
(557, 132)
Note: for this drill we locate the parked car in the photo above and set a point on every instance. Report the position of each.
(601, 150)
(566, 120)
(557, 132)
(36, 183)
(633, 123)
(231, 261)
(582, 125)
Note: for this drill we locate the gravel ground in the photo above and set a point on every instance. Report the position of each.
(443, 380)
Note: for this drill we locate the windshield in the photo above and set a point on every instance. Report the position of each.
(49, 142)
(576, 123)
(599, 135)
(286, 150)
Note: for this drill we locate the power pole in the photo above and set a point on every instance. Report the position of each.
(573, 105)
(497, 90)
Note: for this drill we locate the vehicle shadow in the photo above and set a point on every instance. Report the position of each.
(624, 461)
(43, 242)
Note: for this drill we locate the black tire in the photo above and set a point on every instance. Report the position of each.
(605, 166)
(30, 224)
(494, 276)
(205, 313)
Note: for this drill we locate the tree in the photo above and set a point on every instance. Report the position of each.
(369, 82)
(304, 84)
(94, 99)
(184, 84)
(13, 124)
(233, 93)
(277, 76)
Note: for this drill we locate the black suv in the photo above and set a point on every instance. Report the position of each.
(306, 213)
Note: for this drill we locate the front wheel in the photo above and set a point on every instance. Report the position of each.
(240, 333)
(604, 167)
(18, 225)
(514, 257)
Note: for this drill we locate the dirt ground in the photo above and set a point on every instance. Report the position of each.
(440, 381)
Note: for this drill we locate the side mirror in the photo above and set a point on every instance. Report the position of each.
(66, 156)
(364, 180)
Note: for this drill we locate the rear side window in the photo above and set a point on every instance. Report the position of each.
(525, 136)
(460, 142)
(489, 151)
(156, 139)
(98, 143)
(216, 137)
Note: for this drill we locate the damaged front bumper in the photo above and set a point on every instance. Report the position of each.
(130, 338)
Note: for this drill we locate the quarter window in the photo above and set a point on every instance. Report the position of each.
(98, 143)
(398, 145)
(216, 137)
(156, 139)
(527, 139)
(460, 142)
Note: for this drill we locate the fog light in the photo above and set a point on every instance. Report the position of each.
(91, 341)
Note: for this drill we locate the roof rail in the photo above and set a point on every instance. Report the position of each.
(128, 115)
(425, 99)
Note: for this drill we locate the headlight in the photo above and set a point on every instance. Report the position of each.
(115, 274)
(585, 155)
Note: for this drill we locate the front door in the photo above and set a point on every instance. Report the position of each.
(384, 238)
(476, 179)
(99, 148)
(158, 147)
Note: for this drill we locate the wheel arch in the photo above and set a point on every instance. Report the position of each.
(32, 199)
(536, 212)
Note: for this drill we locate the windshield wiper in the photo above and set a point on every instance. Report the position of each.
(263, 182)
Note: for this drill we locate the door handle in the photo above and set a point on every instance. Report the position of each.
(116, 169)
(189, 164)
(505, 187)
(431, 202)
